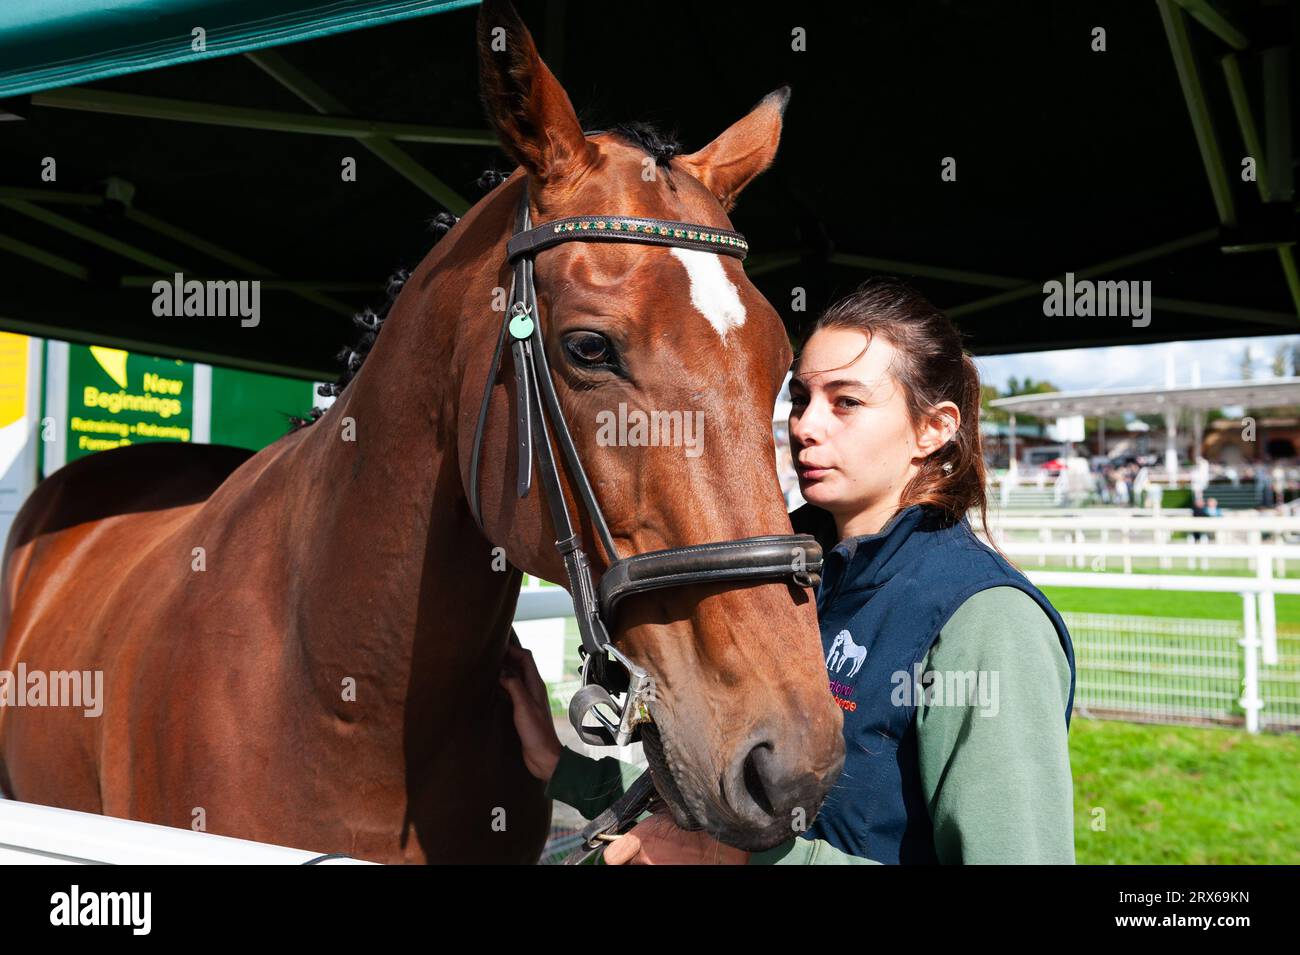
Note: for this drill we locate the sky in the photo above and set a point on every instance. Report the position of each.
(1129, 366)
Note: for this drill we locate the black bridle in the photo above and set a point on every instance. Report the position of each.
(793, 557)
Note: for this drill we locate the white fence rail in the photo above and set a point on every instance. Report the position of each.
(1136, 522)
(31, 834)
(1211, 535)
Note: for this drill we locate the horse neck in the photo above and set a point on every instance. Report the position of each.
(413, 585)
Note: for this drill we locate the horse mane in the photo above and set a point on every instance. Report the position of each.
(660, 145)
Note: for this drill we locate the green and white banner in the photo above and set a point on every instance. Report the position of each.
(97, 399)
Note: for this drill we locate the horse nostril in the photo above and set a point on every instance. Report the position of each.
(769, 783)
(753, 773)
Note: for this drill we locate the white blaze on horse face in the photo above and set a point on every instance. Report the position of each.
(712, 293)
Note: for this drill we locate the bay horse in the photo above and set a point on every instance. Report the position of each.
(302, 646)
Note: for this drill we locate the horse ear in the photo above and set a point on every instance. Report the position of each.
(525, 103)
(727, 164)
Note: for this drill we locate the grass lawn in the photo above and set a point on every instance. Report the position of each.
(1165, 603)
(1184, 795)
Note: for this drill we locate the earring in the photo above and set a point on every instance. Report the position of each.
(947, 467)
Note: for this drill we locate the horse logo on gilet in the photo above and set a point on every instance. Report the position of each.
(844, 649)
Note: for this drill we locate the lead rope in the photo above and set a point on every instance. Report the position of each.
(621, 816)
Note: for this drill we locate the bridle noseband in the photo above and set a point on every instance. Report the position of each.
(793, 557)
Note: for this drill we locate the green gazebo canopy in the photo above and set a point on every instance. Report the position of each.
(50, 43)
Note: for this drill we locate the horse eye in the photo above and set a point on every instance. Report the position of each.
(589, 348)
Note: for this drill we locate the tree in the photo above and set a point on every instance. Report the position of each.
(987, 394)
(1286, 359)
(1246, 367)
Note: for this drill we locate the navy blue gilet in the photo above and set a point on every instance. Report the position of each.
(882, 601)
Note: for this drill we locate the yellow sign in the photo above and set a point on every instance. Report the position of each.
(13, 378)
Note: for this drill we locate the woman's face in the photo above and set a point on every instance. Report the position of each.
(853, 442)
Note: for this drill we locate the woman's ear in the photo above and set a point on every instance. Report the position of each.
(939, 428)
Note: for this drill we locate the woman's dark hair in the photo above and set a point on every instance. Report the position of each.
(931, 367)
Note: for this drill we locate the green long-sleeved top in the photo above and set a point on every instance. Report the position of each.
(997, 786)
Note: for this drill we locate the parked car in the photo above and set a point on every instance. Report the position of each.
(1051, 456)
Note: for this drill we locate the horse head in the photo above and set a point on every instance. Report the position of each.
(667, 363)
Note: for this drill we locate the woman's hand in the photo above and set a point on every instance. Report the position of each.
(541, 746)
(658, 841)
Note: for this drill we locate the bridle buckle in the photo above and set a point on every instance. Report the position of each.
(596, 692)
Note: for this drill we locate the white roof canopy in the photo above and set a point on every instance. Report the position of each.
(1261, 393)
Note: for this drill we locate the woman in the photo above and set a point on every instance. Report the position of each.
(955, 674)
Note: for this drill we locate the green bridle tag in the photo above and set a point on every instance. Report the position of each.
(521, 325)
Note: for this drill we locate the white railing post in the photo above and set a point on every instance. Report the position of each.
(1267, 608)
(1250, 701)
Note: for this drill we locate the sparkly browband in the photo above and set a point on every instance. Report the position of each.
(688, 235)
